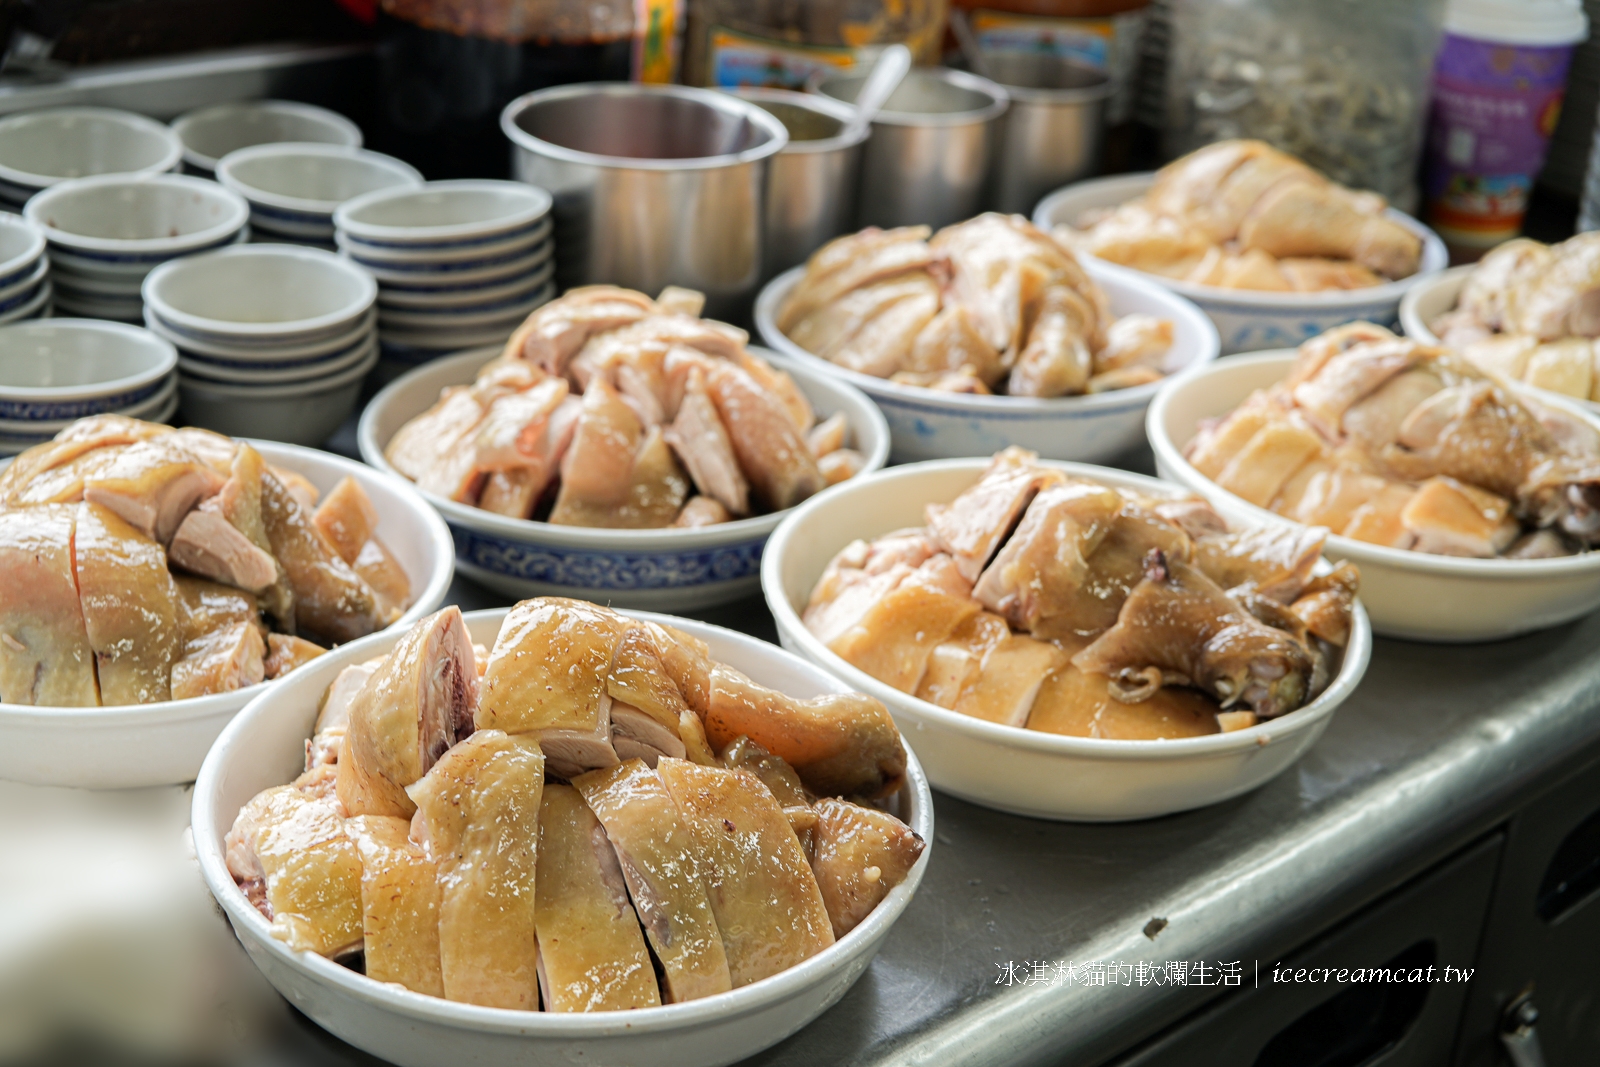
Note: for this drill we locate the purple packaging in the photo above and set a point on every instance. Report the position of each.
(1495, 106)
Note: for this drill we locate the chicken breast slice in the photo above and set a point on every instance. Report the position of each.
(399, 905)
(478, 818)
(701, 441)
(771, 450)
(972, 527)
(152, 485)
(208, 545)
(45, 655)
(330, 599)
(130, 608)
(592, 955)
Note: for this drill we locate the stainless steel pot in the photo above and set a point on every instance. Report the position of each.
(1055, 129)
(931, 146)
(654, 185)
(811, 184)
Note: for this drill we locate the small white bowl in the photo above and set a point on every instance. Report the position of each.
(161, 744)
(1250, 320)
(513, 311)
(15, 296)
(459, 274)
(1414, 595)
(120, 277)
(296, 187)
(112, 309)
(930, 424)
(302, 412)
(277, 374)
(451, 339)
(459, 257)
(212, 132)
(443, 214)
(1028, 772)
(37, 307)
(129, 223)
(264, 356)
(449, 298)
(69, 368)
(270, 295)
(265, 746)
(41, 148)
(1437, 294)
(681, 569)
(146, 408)
(21, 251)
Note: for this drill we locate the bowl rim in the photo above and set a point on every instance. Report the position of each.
(542, 1024)
(226, 172)
(237, 391)
(522, 140)
(999, 98)
(775, 291)
(333, 342)
(432, 591)
(167, 357)
(140, 409)
(149, 291)
(423, 258)
(36, 243)
(238, 214)
(1352, 666)
(815, 102)
(131, 119)
(199, 372)
(1170, 455)
(1435, 258)
(344, 218)
(1456, 277)
(529, 530)
(327, 116)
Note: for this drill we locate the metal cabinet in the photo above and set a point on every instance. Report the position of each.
(1434, 921)
(1543, 933)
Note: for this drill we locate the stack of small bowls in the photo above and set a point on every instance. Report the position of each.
(59, 370)
(107, 233)
(38, 149)
(212, 132)
(273, 340)
(24, 271)
(294, 189)
(459, 264)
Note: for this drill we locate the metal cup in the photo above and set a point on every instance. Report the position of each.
(1055, 129)
(654, 185)
(931, 146)
(811, 184)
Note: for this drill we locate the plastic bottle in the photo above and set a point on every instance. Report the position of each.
(1498, 83)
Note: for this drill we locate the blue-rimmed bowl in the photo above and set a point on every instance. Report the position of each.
(39, 149)
(248, 372)
(1250, 320)
(294, 189)
(121, 226)
(449, 297)
(266, 296)
(21, 253)
(325, 348)
(467, 317)
(150, 408)
(932, 424)
(64, 369)
(477, 253)
(443, 216)
(681, 569)
(212, 132)
(432, 274)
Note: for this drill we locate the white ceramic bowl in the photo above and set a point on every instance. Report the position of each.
(21, 251)
(1249, 320)
(40, 148)
(512, 311)
(446, 275)
(267, 295)
(36, 307)
(363, 352)
(443, 214)
(295, 188)
(28, 280)
(411, 342)
(1412, 595)
(147, 408)
(265, 746)
(1437, 294)
(212, 132)
(680, 569)
(299, 412)
(160, 744)
(132, 222)
(69, 368)
(1028, 772)
(462, 255)
(28, 298)
(929, 424)
(258, 356)
(453, 297)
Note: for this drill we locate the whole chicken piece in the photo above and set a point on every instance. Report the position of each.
(657, 857)
(290, 854)
(330, 599)
(859, 855)
(45, 656)
(757, 880)
(841, 744)
(478, 818)
(399, 905)
(1326, 220)
(1057, 359)
(152, 485)
(412, 709)
(547, 677)
(1179, 622)
(592, 955)
(129, 608)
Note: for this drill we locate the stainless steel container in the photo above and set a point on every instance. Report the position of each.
(931, 147)
(654, 185)
(811, 184)
(1055, 129)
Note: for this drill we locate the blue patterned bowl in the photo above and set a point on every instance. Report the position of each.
(671, 569)
(1250, 320)
(59, 369)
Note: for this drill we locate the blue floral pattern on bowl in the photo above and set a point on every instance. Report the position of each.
(585, 569)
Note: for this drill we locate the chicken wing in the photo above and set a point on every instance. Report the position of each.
(859, 855)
